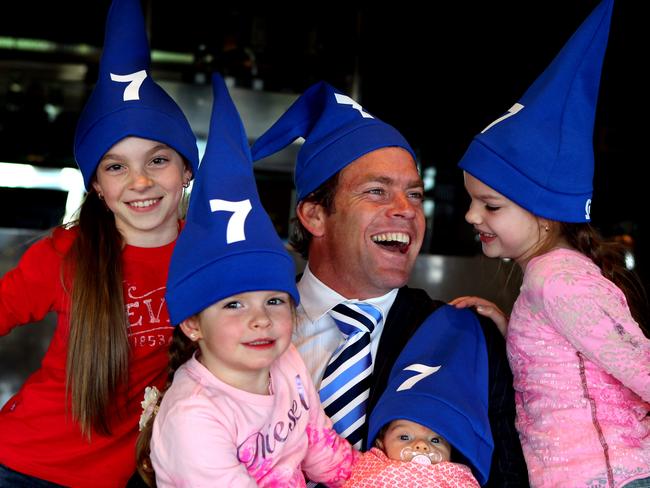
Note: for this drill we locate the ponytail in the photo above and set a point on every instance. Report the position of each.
(180, 351)
(609, 256)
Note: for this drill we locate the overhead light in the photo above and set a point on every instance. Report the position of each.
(43, 45)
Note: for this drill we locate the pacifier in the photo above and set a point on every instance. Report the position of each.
(409, 454)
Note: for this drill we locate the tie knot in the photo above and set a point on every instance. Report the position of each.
(355, 317)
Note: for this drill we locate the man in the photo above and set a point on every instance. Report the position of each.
(360, 226)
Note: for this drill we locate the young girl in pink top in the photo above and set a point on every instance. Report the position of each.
(241, 410)
(580, 360)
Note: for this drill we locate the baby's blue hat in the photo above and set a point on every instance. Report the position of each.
(540, 153)
(440, 380)
(228, 245)
(126, 101)
(337, 131)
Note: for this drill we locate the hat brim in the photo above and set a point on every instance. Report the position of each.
(340, 151)
(488, 166)
(227, 276)
(144, 122)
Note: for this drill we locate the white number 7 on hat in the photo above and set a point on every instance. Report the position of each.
(240, 210)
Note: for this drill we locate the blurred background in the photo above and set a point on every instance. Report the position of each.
(439, 72)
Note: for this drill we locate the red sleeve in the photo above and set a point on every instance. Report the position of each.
(29, 291)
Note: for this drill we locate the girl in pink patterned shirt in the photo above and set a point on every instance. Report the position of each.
(579, 356)
(241, 409)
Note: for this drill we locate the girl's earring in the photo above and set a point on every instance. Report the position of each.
(186, 184)
(547, 228)
(100, 195)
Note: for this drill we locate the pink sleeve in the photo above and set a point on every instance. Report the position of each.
(27, 292)
(329, 457)
(192, 448)
(592, 314)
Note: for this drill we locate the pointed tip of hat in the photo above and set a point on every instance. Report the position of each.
(541, 155)
(126, 47)
(296, 122)
(227, 140)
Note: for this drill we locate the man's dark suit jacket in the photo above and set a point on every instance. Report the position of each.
(411, 307)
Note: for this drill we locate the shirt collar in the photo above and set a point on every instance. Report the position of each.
(316, 298)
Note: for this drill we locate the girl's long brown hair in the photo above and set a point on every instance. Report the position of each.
(609, 256)
(98, 349)
(180, 351)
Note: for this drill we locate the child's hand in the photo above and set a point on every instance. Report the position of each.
(485, 308)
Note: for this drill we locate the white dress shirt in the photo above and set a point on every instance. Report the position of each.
(316, 336)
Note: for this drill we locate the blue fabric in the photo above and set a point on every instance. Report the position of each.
(126, 101)
(337, 131)
(642, 483)
(446, 359)
(13, 479)
(540, 154)
(229, 244)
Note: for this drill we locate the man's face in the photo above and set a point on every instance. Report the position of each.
(369, 242)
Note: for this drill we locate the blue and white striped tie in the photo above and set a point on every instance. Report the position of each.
(345, 386)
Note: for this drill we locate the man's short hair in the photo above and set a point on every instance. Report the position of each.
(324, 195)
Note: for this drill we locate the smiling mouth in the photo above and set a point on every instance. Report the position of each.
(260, 343)
(485, 236)
(393, 241)
(144, 203)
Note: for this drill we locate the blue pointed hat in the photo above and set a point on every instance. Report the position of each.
(440, 380)
(540, 153)
(126, 101)
(337, 131)
(229, 244)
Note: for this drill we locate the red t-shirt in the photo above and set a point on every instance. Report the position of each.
(37, 434)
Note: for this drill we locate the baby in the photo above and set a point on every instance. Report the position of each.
(435, 402)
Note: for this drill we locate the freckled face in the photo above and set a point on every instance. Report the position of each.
(141, 182)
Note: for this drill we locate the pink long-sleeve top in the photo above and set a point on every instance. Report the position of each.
(208, 433)
(581, 369)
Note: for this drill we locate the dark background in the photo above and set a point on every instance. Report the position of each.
(438, 71)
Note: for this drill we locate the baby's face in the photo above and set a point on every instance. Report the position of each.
(405, 440)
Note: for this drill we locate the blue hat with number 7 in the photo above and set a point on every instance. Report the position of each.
(440, 381)
(540, 153)
(337, 131)
(229, 244)
(126, 101)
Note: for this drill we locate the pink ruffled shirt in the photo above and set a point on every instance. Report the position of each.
(376, 470)
(581, 369)
(208, 433)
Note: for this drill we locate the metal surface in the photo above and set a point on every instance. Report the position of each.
(23, 348)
